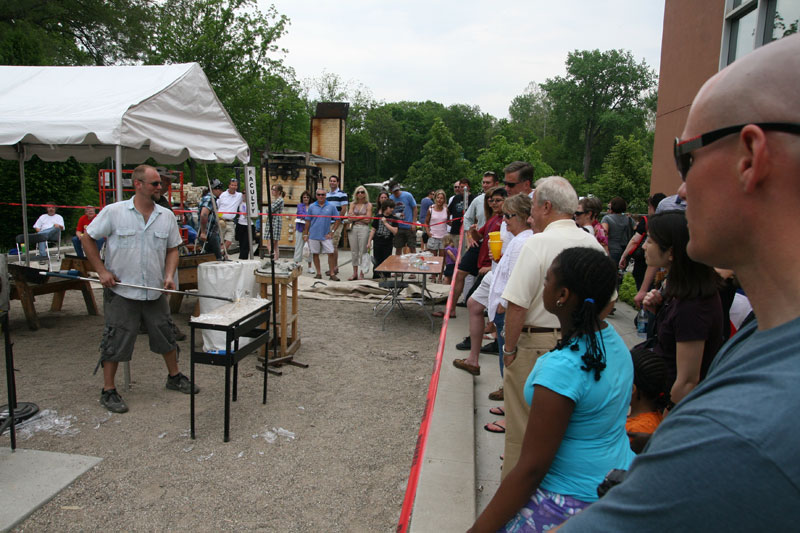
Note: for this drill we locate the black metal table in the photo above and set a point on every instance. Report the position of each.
(234, 329)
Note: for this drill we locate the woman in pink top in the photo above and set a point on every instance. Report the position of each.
(436, 224)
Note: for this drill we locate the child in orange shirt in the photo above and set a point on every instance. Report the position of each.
(649, 397)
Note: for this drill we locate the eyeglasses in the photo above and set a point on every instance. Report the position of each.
(154, 183)
(321, 194)
(509, 216)
(495, 200)
(490, 173)
(683, 149)
(510, 184)
(579, 213)
(360, 192)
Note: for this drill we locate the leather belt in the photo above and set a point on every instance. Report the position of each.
(535, 329)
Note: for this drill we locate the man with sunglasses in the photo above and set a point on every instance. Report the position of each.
(141, 249)
(725, 458)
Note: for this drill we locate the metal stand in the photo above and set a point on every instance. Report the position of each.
(242, 327)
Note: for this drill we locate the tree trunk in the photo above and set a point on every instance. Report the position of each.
(587, 155)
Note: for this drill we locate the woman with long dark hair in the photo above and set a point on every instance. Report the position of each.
(688, 307)
(579, 394)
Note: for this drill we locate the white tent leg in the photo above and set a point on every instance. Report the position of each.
(118, 180)
(21, 151)
(126, 366)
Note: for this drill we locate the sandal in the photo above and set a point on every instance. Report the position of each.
(440, 314)
(351, 278)
(463, 365)
(497, 411)
(497, 395)
(495, 427)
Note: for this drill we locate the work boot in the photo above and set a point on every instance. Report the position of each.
(181, 383)
(111, 400)
(466, 344)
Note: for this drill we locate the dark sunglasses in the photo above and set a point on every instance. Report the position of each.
(511, 184)
(683, 149)
(154, 183)
(321, 194)
(509, 216)
(579, 213)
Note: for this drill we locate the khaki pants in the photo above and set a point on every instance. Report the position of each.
(529, 347)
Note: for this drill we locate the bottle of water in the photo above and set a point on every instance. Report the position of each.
(641, 323)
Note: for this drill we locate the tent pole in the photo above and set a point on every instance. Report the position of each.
(118, 179)
(21, 151)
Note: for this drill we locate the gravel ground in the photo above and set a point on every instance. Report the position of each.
(354, 415)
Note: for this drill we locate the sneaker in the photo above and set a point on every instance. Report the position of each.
(181, 383)
(466, 344)
(111, 400)
(492, 347)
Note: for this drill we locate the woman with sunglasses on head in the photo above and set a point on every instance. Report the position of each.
(300, 223)
(688, 308)
(358, 216)
(579, 395)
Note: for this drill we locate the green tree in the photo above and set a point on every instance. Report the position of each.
(603, 93)
(626, 173)
(530, 113)
(501, 152)
(234, 43)
(74, 32)
(441, 163)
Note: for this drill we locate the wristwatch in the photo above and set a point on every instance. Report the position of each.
(509, 353)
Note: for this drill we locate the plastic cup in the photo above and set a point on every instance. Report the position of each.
(494, 236)
(496, 247)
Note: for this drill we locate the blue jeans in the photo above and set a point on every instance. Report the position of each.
(76, 243)
(499, 322)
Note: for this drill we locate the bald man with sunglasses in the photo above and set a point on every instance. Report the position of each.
(725, 458)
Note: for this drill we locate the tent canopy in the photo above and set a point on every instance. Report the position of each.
(167, 113)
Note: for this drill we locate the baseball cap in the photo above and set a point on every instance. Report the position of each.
(396, 187)
(216, 184)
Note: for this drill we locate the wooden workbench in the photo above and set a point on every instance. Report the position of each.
(289, 333)
(26, 286)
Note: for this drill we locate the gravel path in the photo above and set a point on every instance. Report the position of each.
(352, 419)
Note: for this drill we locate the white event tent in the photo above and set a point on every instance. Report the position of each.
(130, 113)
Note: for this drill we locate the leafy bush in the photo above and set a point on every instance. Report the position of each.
(627, 289)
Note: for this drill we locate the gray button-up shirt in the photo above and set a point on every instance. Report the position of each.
(136, 251)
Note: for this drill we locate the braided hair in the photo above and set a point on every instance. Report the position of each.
(592, 276)
(650, 376)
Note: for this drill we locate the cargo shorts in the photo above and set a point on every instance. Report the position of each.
(123, 317)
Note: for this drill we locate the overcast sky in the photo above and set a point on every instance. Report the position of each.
(469, 52)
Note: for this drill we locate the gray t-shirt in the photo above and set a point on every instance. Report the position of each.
(726, 458)
(620, 231)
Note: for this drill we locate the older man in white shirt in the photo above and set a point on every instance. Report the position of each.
(530, 330)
